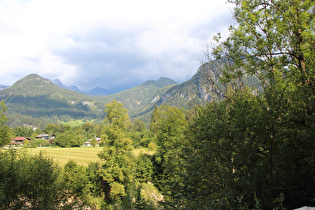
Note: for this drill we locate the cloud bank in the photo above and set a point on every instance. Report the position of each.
(110, 44)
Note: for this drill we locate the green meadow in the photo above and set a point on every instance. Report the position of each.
(74, 123)
(81, 155)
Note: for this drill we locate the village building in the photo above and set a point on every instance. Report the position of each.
(88, 143)
(42, 136)
(18, 140)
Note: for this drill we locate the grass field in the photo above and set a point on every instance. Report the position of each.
(74, 123)
(81, 155)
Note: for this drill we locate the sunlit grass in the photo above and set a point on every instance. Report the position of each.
(81, 155)
(74, 123)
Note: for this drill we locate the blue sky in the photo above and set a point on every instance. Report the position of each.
(115, 45)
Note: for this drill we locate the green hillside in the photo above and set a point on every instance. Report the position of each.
(36, 97)
(137, 98)
(36, 101)
(187, 94)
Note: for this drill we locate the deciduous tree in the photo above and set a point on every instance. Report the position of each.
(273, 40)
(5, 131)
(170, 127)
(116, 170)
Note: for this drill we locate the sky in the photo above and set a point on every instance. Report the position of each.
(114, 45)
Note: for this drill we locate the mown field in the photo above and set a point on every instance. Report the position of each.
(81, 155)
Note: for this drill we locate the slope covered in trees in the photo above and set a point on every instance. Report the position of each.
(36, 97)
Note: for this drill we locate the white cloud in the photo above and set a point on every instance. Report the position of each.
(100, 39)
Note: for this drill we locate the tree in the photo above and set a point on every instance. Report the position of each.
(26, 143)
(23, 131)
(76, 180)
(116, 170)
(52, 129)
(232, 152)
(117, 115)
(272, 41)
(155, 120)
(5, 131)
(69, 139)
(170, 127)
(139, 126)
(90, 129)
(30, 182)
(93, 142)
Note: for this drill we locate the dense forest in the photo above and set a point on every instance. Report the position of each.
(248, 149)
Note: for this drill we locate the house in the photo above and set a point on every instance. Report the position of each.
(18, 140)
(88, 143)
(42, 136)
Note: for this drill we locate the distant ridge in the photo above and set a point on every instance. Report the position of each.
(162, 82)
(3, 87)
(98, 92)
(95, 91)
(60, 84)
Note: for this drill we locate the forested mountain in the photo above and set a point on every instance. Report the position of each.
(34, 100)
(187, 94)
(140, 98)
(36, 97)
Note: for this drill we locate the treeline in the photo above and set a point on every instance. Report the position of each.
(74, 136)
(44, 106)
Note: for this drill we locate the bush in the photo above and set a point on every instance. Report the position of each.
(29, 182)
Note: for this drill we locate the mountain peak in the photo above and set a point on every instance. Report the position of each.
(98, 91)
(162, 82)
(60, 84)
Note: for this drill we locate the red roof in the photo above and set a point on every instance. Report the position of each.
(19, 138)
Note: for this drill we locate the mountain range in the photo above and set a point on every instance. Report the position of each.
(95, 91)
(37, 101)
(3, 87)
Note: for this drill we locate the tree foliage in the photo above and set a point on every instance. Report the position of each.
(5, 131)
(256, 144)
(29, 182)
(116, 170)
(170, 125)
(69, 139)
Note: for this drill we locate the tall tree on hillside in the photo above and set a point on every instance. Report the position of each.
(116, 170)
(5, 133)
